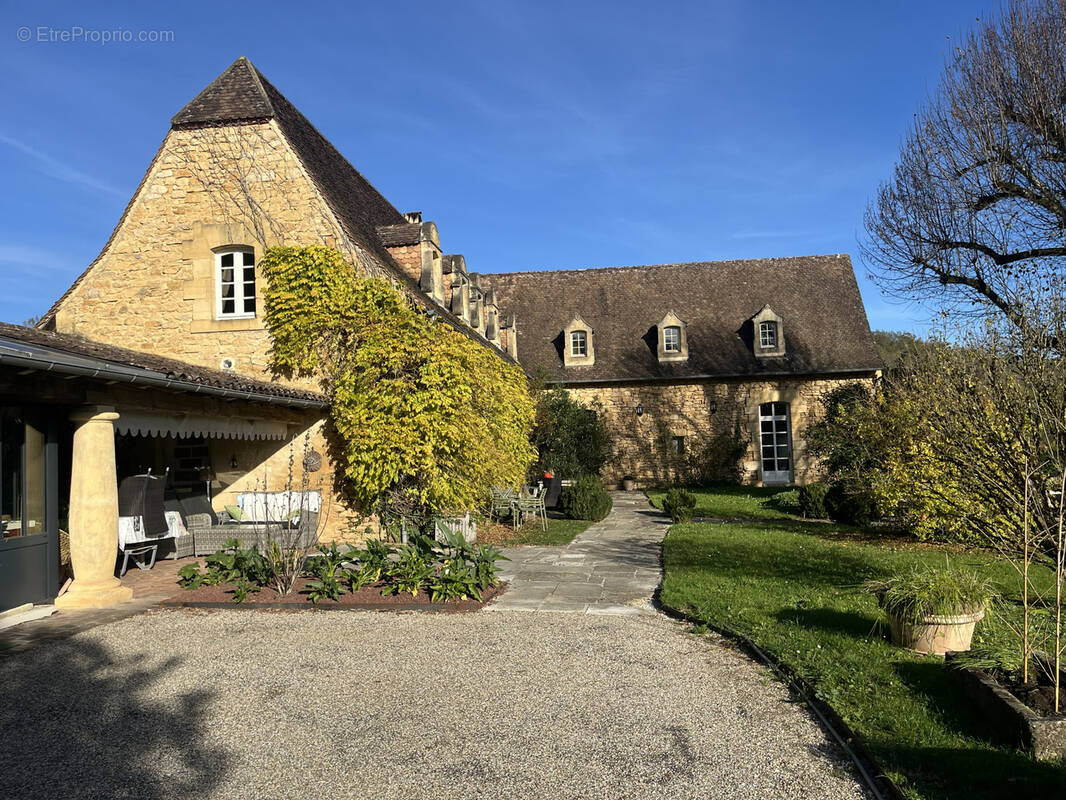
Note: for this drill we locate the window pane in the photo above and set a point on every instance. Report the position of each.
(249, 290)
(249, 305)
(782, 465)
(227, 306)
(249, 259)
(249, 274)
(767, 426)
(782, 437)
(227, 260)
(780, 409)
(227, 276)
(766, 409)
(227, 290)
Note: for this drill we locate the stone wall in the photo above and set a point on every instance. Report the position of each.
(642, 443)
(153, 287)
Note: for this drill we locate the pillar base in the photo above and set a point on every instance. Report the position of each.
(100, 596)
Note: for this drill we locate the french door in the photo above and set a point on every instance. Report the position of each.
(776, 443)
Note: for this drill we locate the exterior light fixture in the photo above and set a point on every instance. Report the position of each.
(640, 409)
(233, 462)
(714, 406)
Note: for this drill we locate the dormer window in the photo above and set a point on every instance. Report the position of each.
(673, 339)
(768, 340)
(768, 335)
(235, 283)
(578, 344)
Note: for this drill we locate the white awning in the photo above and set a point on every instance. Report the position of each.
(183, 426)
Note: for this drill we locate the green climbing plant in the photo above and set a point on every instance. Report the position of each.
(423, 417)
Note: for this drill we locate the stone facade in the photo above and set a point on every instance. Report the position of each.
(644, 443)
(153, 287)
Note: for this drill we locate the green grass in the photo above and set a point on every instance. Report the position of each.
(560, 533)
(795, 589)
(731, 502)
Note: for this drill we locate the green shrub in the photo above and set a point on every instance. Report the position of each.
(680, 504)
(572, 440)
(849, 507)
(812, 500)
(586, 499)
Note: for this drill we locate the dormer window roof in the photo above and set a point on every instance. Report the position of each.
(579, 349)
(768, 340)
(673, 338)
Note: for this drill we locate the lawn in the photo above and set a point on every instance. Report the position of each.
(795, 589)
(560, 533)
(732, 502)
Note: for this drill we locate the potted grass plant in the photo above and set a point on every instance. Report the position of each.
(933, 610)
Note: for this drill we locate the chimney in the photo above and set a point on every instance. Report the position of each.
(414, 217)
(492, 313)
(431, 279)
(477, 304)
(450, 265)
(509, 337)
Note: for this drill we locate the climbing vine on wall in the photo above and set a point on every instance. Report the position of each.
(423, 416)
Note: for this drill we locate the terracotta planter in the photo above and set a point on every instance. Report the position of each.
(935, 634)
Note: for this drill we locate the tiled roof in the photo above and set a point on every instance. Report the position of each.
(824, 321)
(170, 368)
(397, 235)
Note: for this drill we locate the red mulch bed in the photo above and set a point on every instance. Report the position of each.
(369, 598)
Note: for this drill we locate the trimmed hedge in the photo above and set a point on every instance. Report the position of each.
(586, 499)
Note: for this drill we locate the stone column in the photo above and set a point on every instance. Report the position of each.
(94, 512)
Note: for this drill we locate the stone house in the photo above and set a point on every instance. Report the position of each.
(678, 354)
(159, 346)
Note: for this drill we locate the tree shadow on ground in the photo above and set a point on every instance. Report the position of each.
(977, 774)
(78, 721)
(850, 623)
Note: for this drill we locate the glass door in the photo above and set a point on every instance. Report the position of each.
(775, 441)
(28, 528)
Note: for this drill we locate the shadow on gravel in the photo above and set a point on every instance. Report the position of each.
(76, 722)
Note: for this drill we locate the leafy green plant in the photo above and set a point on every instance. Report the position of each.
(247, 570)
(680, 504)
(409, 573)
(812, 500)
(850, 505)
(586, 499)
(572, 440)
(454, 580)
(190, 576)
(923, 591)
(718, 460)
(323, 568)
(484, 565)
(423, 417)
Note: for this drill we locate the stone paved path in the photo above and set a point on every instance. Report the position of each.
(613, 567)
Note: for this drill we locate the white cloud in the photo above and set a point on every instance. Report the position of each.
(56, 169)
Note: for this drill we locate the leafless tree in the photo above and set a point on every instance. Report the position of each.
(974, 218)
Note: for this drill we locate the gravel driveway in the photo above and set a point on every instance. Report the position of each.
(232, 704)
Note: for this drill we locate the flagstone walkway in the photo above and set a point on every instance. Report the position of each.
(614, 567)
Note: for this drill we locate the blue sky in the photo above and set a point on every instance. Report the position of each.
(535, 134)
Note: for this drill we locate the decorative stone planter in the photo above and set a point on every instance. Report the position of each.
(935, 634)
(1045, 737)
(629, 484)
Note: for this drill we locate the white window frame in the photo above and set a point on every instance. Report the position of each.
(240, 287)
(675, 345)
(775, 442)
(768, 335)
(575, 337)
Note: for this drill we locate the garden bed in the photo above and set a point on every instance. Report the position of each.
(1023, 712)
(368, 598)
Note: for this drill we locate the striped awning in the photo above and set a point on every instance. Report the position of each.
(183, 426)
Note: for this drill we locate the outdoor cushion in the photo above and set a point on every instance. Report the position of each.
(235, 512)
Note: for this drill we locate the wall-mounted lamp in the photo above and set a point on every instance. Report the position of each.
(714, 406)
(640, 409)
(233, 462)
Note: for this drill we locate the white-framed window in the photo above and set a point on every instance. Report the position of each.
(768, 335)
(776, 449)
(235, 282)
(672, 339)
(579, 343)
